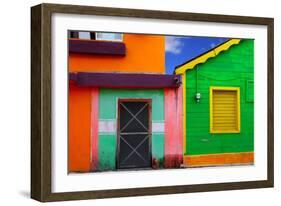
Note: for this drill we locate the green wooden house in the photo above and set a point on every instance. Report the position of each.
(218, 105)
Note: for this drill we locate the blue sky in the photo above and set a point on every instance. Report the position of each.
(181, 49)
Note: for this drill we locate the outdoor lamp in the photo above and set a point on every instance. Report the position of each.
(198, 97)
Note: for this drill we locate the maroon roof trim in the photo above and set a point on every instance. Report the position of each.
(125, 80)
(96, 47)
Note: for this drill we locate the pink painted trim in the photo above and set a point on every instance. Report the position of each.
(173, 128)
(180, 120)
(94, 128)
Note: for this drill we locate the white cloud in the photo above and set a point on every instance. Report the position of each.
(174, 45)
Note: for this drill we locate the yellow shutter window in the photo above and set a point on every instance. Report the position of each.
(224, 109)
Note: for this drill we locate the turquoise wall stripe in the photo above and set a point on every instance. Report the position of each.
(108, 112)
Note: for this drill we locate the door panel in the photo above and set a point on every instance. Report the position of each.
(134, 134)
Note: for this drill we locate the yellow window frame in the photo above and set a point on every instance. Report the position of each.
(237, 90)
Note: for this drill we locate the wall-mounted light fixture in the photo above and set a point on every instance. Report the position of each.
(198, 97)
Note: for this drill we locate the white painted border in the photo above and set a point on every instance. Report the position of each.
(107, 126)
(63, 182)
(158, 127)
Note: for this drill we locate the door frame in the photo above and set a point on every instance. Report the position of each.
(149, 101)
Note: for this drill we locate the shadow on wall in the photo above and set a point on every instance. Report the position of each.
(24, 193)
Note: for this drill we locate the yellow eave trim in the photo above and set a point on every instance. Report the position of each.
(206, 56)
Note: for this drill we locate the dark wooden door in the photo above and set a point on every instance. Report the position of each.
(134, 134)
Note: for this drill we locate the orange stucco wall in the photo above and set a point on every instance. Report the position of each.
(79, 129)
(144, 54)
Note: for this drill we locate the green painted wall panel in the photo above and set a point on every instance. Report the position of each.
(108, 111)
(249, 91)
(108, 101)
(232, 68)
(158, 148)
(107, 155)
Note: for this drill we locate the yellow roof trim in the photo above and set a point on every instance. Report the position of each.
(203, 58)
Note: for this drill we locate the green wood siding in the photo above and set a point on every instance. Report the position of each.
(108, 111)
(231, 68)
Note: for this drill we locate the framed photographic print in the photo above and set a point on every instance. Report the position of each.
(132, 102)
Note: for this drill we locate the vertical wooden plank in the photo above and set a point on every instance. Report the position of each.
(94, 128)
(36, 191)
(173, 128)
(270, 102)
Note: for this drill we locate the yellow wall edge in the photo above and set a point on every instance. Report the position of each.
(184, 112)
